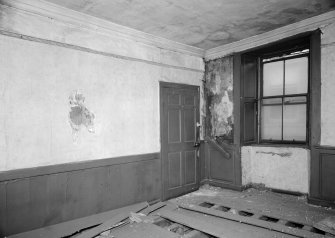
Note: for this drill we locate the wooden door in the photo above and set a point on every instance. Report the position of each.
(179, 138)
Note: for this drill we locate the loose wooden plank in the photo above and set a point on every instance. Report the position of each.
(230, 229)
(110, 223)
(70, 227)
(196, 223)
(327, 225)
(153, 208)
(146, 230)
(252, 221)
(308, 228)
(194, 234)
(242, 207)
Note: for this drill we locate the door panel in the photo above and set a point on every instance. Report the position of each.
(190, 161)
(174, 125)
(189, 100)
(175, 166)
(189, 125)
(174, 99)
(179, 117)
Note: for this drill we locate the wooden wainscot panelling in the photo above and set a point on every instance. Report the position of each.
(323, 176)
(202, 155)
(37, 197)
(220, 165)
(2, 209)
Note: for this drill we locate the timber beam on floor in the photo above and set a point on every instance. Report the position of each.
(255, 219)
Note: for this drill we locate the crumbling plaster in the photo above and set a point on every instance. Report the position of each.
(219, 98)
(37, 79)
(285, 168)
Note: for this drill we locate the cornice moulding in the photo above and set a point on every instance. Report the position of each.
(271, 36)
(63, 14)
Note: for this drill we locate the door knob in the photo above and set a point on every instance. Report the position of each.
(196, 144)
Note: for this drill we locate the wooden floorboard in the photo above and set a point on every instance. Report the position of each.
(153, 208)
(218, 227)
(199, 220)
(194, 223)
(111, 222)
(144, 230)
(70, 227)
(252, 221)
(273, 213)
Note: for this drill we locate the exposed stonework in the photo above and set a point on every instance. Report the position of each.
(219, 97)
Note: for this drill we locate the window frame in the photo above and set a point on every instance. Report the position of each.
(261, 97)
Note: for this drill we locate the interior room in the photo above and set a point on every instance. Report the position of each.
(167, 118)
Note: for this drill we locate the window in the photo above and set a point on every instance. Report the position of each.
(275, 92)
(283, 98)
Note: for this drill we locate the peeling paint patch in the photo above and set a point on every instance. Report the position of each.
(286, 154)
(219, 97)
(79, 115)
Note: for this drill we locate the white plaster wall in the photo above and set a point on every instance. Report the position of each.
(100, 39)
(37, 79)
(328, 85)
(276, 167)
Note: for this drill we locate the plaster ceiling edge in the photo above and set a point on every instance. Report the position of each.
(309, 24)
(69, 16)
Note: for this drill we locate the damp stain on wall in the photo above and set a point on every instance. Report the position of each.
(79, 115)
(219, 98)
(285, 154)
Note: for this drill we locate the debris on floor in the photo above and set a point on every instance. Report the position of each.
(140, 214)
(213, 212)
(327, 225)
(118, 220)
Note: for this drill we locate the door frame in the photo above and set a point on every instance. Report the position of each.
(163, 85)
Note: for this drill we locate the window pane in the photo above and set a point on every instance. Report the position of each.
(271, 121)
(296, 75)
(273, 78)
(294, 122)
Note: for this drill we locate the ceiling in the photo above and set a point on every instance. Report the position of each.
(201, 23)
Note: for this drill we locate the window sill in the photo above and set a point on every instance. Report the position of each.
(302, 146)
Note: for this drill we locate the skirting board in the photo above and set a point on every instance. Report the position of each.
(319, 202)
(221, 184)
